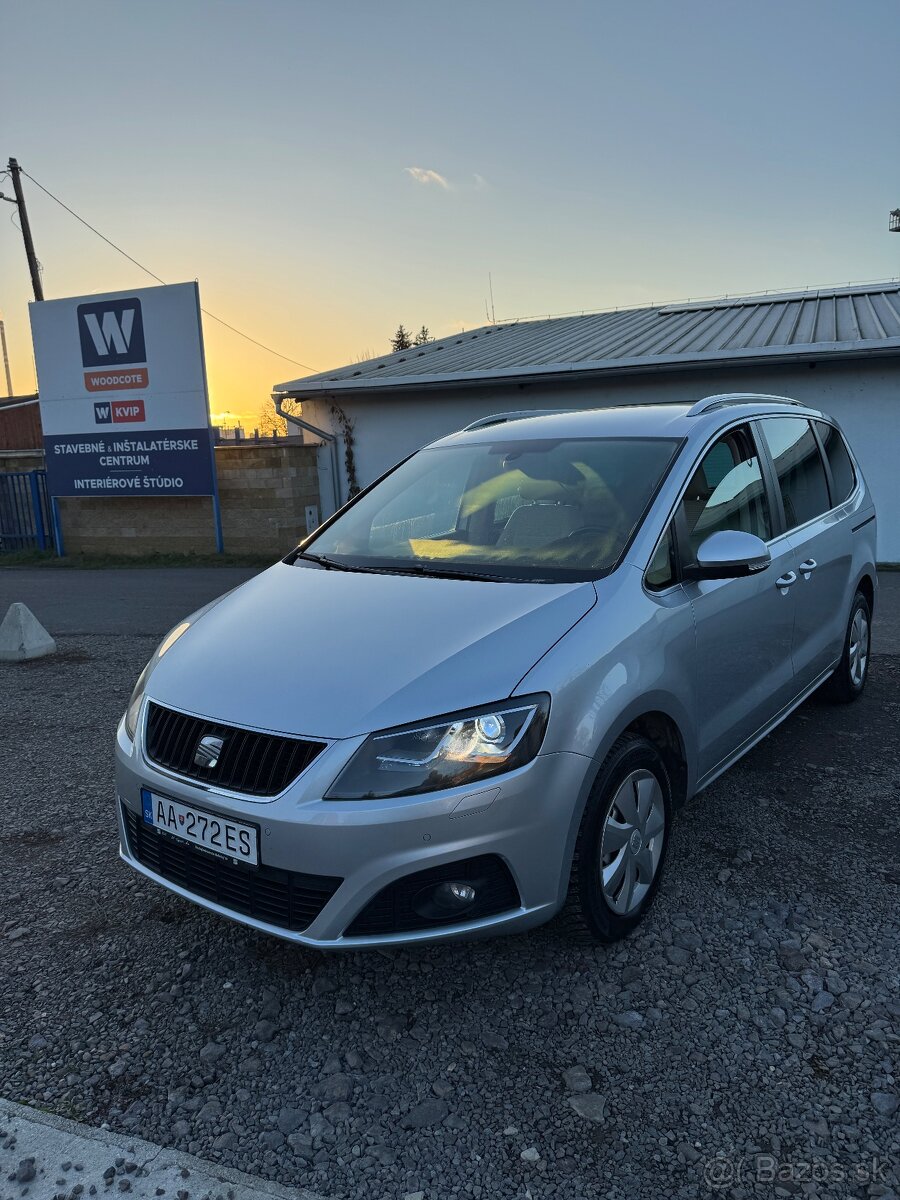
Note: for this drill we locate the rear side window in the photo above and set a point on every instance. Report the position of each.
(843, 477)
(799, 467)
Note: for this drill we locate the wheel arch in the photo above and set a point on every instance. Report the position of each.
(663, 731)
(866, 585)
(662, 721)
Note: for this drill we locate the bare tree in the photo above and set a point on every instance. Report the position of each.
(271, 424)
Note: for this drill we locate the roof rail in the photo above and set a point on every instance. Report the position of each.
(710, 403)
(502, 418)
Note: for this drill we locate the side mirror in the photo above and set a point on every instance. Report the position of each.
(730, 554)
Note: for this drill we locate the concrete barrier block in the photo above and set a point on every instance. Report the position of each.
(22, 636)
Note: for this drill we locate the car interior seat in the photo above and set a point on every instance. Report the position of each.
(539, 524)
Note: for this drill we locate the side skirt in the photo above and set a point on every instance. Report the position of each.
(721, 767)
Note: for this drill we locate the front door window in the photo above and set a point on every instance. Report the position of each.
(727, 492)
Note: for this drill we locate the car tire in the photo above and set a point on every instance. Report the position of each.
(621, 844)
(849, 679)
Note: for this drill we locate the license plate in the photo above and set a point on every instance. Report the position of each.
(217, 834)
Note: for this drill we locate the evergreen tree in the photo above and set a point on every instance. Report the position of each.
(401, 339)
(423, 337)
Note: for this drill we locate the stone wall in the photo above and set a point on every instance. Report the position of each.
(21, 460)
(263, 490)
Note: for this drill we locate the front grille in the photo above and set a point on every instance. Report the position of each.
(257, 764)
(391, 911)
(283, 898)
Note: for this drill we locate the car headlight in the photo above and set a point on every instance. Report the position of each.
(445, 752)
(134, 704)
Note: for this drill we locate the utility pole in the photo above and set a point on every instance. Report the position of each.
(9, 390)
(15, 171)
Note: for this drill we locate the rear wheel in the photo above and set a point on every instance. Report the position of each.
(622, 842)
(849, 679)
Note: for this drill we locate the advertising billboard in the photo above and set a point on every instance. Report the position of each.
(122, 385)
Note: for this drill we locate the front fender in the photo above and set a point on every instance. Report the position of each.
(631, 655)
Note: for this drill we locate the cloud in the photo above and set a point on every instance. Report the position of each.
(480, 182)
(426, 176)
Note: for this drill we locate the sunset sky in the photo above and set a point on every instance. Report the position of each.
(329, 169)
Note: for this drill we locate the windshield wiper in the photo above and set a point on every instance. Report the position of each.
(414, 568)
(329, 564)
(449, 573)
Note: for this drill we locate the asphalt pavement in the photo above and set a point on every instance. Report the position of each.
(149, 601)
(125, 600)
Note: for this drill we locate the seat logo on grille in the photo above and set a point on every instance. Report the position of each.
(208, 750)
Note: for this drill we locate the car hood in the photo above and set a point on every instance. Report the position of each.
(334, 654)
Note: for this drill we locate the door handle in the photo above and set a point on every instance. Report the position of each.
(807, 568)
(785, 581)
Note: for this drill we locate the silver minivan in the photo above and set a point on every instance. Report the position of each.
(511, 660)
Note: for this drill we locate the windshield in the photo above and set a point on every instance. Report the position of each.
(550, 510)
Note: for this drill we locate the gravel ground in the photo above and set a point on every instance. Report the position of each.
(745, 1038)
(43, 1155)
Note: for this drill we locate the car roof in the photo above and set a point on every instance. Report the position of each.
(633, 420)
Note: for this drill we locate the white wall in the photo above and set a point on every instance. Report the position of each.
(864, 397)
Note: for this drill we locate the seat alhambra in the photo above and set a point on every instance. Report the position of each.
(477, 696)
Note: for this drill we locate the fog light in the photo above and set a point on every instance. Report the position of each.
(444, 900)
(463, 892)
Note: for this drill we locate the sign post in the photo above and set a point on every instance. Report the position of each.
(123, 396)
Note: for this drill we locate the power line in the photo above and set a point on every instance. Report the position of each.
(147, 271)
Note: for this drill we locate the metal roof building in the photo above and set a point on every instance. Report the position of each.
(787, 327)
(834, 348)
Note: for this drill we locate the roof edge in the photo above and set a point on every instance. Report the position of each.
(645, 364)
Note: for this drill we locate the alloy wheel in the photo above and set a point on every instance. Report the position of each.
(859, 647)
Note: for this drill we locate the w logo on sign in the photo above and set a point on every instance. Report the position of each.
(112, 333)
(102, 414)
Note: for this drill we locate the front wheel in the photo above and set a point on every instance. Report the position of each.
(849, 679)
(621, 845)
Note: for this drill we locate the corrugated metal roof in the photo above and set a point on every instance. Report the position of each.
(846, 321)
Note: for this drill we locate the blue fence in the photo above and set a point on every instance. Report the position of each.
(24, 511)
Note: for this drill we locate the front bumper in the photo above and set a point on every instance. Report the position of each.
(526, 818)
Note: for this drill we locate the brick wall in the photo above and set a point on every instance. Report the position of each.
(20, 424)
(263, 490)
